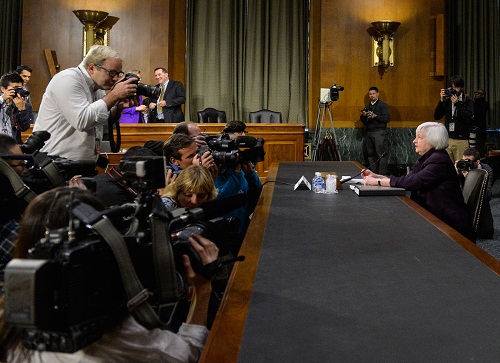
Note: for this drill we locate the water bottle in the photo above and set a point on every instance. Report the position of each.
(318, 183)
(331, 184)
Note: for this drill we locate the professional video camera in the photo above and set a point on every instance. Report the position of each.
(152, 92)
(465, 165)
(233, 152)
(334, 92)
(448, 92)
(81, 280)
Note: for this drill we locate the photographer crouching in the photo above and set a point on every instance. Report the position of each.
(125, 340)
(471, 160)
(240, 177)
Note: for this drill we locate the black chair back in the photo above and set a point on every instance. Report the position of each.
(211, 115)
(265, 116)
(474, 192)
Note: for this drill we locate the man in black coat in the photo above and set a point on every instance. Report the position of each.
(375, 117)
(168, 107)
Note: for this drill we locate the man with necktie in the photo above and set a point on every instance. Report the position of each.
(168, 107)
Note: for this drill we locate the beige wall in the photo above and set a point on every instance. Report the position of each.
(151, 33)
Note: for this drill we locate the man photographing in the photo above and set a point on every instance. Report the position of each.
(78, 102)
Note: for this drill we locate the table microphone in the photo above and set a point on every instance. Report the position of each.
(362, 170)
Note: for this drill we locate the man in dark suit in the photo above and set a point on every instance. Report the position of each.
(375, 117)
(168, 107)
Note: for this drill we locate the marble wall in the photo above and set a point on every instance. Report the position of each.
(399, 142)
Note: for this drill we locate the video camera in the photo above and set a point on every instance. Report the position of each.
(334, 92)
(81, 280)
(233, 152)
(465, 165)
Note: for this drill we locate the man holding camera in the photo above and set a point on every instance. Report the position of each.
(375, 117)
(78, 102)
(15, 112)
(458, 110)
(241, 178)
(470, 160)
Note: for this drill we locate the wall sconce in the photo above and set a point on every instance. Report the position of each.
(383, 43)
(97, 25)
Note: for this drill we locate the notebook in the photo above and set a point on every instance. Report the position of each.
(370, 190)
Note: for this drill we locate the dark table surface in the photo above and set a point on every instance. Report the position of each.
(343, 278)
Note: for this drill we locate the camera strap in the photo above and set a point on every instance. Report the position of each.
(114, 120)
(136, 293)
(49, 169)
(21, 189)
(163, 258)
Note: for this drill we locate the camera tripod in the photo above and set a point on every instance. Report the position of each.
(330, 139)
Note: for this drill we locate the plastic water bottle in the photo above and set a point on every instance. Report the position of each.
(331, 184)
(318, 183)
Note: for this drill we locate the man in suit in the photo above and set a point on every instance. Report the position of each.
(168, 107)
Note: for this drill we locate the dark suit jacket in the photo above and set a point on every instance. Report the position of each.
(174, 96)
(462, 119)
(381, 109)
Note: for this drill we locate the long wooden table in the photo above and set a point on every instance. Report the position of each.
(282, 142)
(343, 278)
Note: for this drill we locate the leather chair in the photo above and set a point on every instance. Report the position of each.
(211, 115)
(265, 116)
(474, 192)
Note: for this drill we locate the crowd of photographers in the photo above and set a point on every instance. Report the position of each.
(52, 205)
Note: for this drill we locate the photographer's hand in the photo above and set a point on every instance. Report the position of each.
(121, 90)
(454, 99)
(208, 252)
(442, 94)
(207, 160)
(20, 103)
(171, 176)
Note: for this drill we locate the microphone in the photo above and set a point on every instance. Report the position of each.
(362, 170)
(210, 210)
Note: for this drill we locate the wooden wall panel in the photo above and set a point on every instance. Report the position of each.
(346, 59)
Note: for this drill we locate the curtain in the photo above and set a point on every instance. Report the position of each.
(473, 29)
(246, 55)
(10, 34)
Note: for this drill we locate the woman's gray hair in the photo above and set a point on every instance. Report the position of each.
(98, 54)
(435, 133)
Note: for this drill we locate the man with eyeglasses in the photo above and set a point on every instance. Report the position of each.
(78, 101)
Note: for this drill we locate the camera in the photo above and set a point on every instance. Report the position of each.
(334, 92)
(35, 142)
(76, 283)
(144, 89)
(21, 92)
(448, 92)
(465, 165)
(233, 152)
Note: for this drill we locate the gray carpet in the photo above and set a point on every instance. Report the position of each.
(492, 246)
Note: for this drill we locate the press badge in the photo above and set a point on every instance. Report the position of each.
(451, 127)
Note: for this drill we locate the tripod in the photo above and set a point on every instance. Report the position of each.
(329, 144)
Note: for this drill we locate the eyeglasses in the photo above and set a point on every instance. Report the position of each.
(112, 73)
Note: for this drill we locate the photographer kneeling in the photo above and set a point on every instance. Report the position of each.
(471, 160)
(127, 341)
(241, 178)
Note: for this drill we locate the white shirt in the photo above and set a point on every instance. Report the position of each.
(70, 111)
(131, 342)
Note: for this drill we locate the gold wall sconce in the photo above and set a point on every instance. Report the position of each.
(97, 26)
(383, 43)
